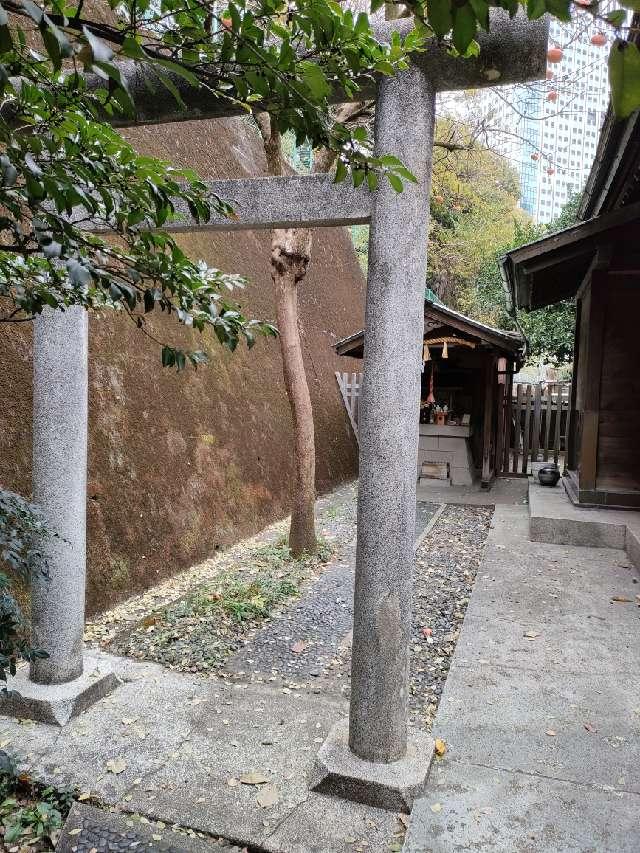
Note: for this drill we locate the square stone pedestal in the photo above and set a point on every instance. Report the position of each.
(57, 703)
(392, 786)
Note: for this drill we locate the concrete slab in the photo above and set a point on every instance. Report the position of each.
(541, 709)
(323, 824)
(176, 748)
(392, 786)
(504, 491)
(57, 703)
(554, 518)
(473, 807)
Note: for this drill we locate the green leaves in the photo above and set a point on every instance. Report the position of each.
(624, 77)
(440, 17)
(464, 27)
(315, 80)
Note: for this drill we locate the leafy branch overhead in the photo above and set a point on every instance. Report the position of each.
(63, 166)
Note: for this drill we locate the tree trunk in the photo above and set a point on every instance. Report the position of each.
(290, 253)
(290, 256)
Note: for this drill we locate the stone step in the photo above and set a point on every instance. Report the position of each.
(91, 829)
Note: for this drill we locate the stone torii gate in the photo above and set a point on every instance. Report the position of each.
(374, 758)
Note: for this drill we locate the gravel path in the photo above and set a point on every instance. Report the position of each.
(308, 646)
(302, 640)
(305, 644)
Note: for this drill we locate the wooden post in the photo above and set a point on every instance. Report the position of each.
(488, 420)
(570, 450)
(592, 369)
(508, 417)
(537, 415)
(527, 425)
(518, 430)
(547, 421)
(556, 442)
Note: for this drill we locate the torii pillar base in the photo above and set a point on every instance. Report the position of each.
(56, 704)
(395, 786)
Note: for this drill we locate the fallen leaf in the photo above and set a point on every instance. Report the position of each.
(427, 632)
(116, 765)
(84, 796)
(436, 807)
(440, 746)
(590, 727)
(622, 599)
(531, 635)
(550, 732)
(75, 831)
(129, 721)
(156, 837)
(268, 796)
(232, 783)
(254, 778)
(404, 820)
(298, 647)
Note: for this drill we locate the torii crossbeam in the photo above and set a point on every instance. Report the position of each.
(373, 759)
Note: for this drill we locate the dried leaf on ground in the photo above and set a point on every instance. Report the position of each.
(590, 727)
(550, 732)
(621, 599)
(531, 635)
(298, 647)
(268, 796)
(440, 747)
(254, 778)
(116, 765)
(436, 808)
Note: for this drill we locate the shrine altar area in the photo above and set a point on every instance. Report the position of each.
(467, 368)
(444, 453)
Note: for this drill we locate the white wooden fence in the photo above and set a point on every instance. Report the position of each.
(349, 385)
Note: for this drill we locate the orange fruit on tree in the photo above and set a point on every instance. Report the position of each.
(552, 96)
(599, 39)
(554, 54)
(535, 156)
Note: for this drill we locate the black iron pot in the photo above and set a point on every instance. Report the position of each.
(549, 475)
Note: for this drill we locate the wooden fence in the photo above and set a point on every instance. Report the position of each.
(349, 385)
(534, 423)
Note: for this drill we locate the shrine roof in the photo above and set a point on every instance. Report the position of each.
(436, 316)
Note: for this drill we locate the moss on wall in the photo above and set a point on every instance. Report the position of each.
(182, 464)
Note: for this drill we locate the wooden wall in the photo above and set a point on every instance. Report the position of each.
(618, 458)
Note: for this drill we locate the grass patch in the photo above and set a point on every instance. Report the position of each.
(198, 632)
(31, 814)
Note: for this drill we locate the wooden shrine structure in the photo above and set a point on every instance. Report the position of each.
(467, 367)
(597, 262)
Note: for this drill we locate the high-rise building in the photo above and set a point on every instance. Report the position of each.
(549, 130)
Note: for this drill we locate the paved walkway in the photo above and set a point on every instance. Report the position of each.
(541, 709)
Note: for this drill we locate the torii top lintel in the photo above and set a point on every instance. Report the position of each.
(514, 51)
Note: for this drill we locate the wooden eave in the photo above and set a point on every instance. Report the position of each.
(439, 317)
(553, 268)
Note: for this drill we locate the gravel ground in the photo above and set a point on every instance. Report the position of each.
(306, 643)
(302, 640)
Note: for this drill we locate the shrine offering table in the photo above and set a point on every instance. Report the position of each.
(445, 453)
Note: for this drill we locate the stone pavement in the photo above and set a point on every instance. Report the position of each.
(222, 759)
(504, 490)
(541, 709)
